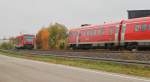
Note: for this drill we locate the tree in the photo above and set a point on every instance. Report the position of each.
(57, 36)
(42, 39)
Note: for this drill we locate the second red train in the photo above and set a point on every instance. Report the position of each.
(129, 34)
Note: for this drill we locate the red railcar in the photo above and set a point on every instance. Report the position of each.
(132, 33)
(95, 36)
(25, 41)
(136, 33)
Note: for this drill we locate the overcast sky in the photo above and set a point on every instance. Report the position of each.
(28, 16)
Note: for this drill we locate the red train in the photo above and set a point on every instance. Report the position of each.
(130, 34)
(25, 41)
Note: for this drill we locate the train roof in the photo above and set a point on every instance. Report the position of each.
(82, 27)
(94, 26)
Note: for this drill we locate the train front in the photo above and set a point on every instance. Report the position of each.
(29, 41)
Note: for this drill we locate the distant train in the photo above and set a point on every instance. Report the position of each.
(25, 41)
(129, 34)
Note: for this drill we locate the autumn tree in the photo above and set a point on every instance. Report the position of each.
(42, 39)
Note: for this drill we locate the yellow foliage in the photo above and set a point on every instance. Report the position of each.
(42, 39)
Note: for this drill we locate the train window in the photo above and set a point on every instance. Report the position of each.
(137, 27)
(80, 33)
(91, 32)
(73, 34)
(84, 33)
(101, 31)
(144, 27)
(117, 30)
(123, 28)
(28, 38)
(87, 33)
(111, 30)
(95, 32)
(76, 33)
(70, 33)
(149, 27)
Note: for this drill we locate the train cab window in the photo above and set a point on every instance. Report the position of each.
(137, 27)
(144, 27)
(28, 38)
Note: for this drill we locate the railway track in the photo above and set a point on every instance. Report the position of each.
(95, 51)
(98, 55)
(103, 59)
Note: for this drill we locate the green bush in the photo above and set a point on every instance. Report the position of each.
(6, 45)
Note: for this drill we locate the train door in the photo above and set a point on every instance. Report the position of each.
(117, 35)
(123, 34)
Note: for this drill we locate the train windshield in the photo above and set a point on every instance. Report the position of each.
(28, 38)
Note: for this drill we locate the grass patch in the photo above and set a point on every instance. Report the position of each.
(137, 70)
